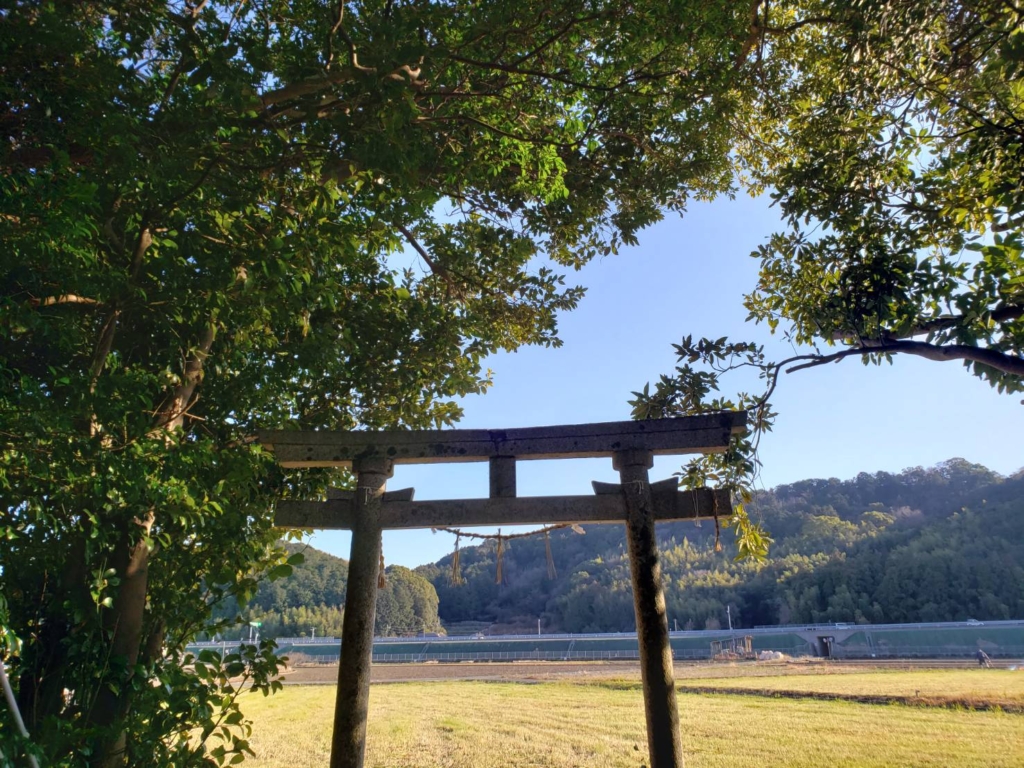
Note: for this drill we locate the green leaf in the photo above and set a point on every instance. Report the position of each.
(279, 572)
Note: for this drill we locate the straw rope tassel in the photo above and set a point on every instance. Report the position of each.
(552, 573)
(718, 530)
(381, 579)
(456, 577)
(501, 551)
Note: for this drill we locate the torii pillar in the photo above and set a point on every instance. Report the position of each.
(352, 705)
(663, 739)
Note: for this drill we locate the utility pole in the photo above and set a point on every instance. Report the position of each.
(728, 613)
(675, 622)
(538, 626)
(313, 630)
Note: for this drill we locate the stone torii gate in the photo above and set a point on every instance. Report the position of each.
(636, 502)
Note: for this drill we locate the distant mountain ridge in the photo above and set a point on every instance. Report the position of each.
(939, 544)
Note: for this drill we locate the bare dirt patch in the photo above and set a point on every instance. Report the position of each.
(526, 671)
(919, 683)
(513, 672)
(951, 702)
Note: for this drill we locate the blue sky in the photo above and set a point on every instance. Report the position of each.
(688, 276)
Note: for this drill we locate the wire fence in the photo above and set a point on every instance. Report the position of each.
(572, 647)
(926, 652)
(407, 658)
(714, 633)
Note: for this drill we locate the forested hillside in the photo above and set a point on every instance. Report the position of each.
(312, 599)
(945, 543)
(938, 544)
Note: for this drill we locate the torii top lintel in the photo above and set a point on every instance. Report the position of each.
(708, 433)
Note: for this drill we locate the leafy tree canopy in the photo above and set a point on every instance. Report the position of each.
(222, 216)
(897, 168)
(893, 148)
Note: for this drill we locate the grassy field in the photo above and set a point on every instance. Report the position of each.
(573, 725)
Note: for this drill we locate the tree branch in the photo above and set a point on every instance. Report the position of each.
(102, 348)
(1006, 313)
(754, 34)
(572, 23)
(189, 25)
(312, 85)
(340, 16)
(515, 70)
(798, 24)
(1009, 224)
(307, 86)
(173, 416)
(757, 31)
(1001, 361)
(142, 244)
(435, 268)
(66, 298)
(1000, 315)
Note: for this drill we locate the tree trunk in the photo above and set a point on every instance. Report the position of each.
(124, 621)
(41, 685)
(155, 642)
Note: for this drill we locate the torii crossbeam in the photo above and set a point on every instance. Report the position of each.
(370, 509)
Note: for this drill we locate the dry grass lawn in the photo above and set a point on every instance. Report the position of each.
(566, 725)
